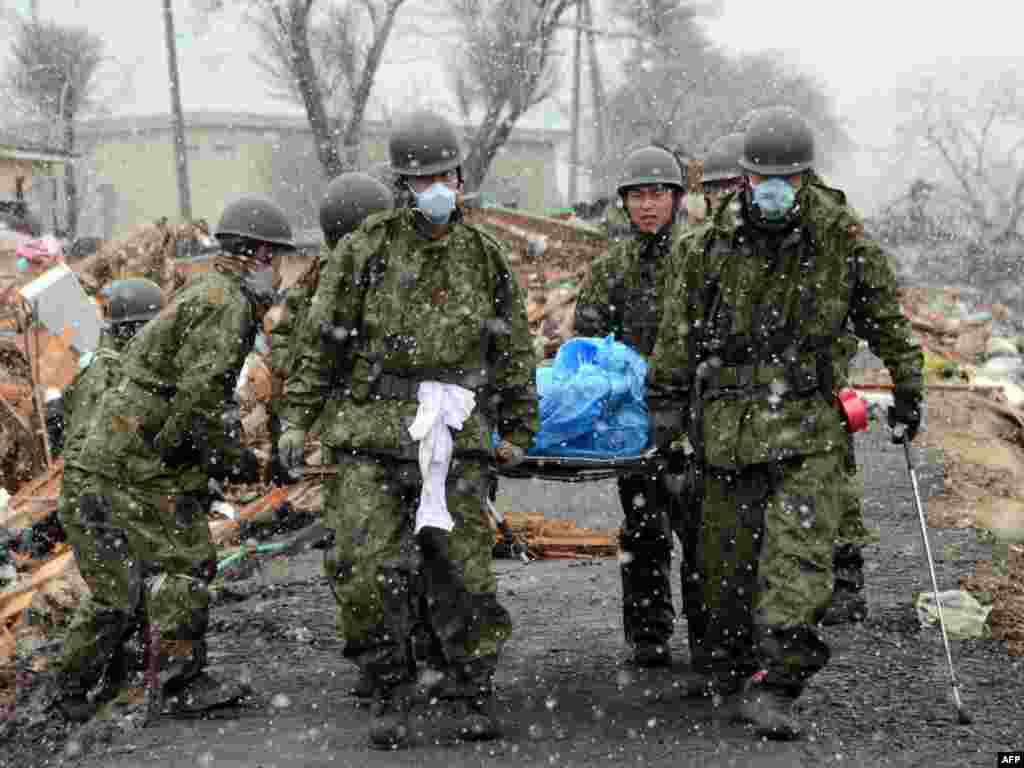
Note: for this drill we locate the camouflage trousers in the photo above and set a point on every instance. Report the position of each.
(764, 560)
(391, 585)
(148, 559)
(651, 515)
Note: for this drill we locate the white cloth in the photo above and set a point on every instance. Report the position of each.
(443, 407)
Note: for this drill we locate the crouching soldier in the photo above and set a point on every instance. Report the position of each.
(416, 349)
(144, 462)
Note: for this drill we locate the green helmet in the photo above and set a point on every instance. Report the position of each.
(135, 300)
(778, 142)
(350, 198)
(723, 159)
(422, 144)
(652, 165)
(255, 218)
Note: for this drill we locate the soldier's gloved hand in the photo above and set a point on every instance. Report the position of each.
(247, 470)
(680, 476)
(508, 455)
(904, 416)
(174, 452)
(291, 449)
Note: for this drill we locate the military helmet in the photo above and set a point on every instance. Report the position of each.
(135, 300)
(349, 199)
(255, 218)
(778, 142)
(651, 165)
(422, 144)
(723, 159)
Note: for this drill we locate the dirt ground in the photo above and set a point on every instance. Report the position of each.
(565, 692)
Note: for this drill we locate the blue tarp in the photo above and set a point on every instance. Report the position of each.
(592, 401)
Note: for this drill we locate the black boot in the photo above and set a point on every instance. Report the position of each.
(203, 693)
(468, 718)
(391, 717)
(768, 709)
(466, 709)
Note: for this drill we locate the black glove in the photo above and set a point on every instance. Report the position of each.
(247, 470)
(905, 416)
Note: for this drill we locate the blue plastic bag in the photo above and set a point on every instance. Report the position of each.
(592, 401)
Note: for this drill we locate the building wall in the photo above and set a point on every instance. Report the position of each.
(276, 159)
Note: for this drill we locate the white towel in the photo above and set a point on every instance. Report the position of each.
(443, 407)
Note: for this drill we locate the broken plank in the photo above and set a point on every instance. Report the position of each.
(16, 606)
(223, 531)
(55, 568)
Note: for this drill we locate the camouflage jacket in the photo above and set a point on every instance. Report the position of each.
(394, 305)
(82, 396)
(624, 291)
(757, 329)
(283, 337)
(164, 424)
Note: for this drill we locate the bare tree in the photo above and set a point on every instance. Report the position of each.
(979, 146)
(51, 77)
(327, 61)
(681, 92)
(501, 70)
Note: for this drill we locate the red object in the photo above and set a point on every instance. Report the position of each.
(854, 410)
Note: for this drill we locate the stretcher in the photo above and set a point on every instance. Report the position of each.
(577, 469)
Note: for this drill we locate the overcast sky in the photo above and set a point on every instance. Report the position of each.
(865, 52)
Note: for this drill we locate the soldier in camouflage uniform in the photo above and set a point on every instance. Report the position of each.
(148, 452)
(416, 304)
(765, 297)
(623, 297)
(348, 201)
(722, 176)
(130, 304)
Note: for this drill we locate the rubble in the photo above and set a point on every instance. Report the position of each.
(551, 258)
(153, 252)
(545, 538)
(21, 455)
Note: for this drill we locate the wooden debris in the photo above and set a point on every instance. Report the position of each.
(560, 539)
(150, 252)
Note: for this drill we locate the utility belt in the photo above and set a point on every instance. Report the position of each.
(797, 380)
(405, 386)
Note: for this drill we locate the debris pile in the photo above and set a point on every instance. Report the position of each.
(545, 538)
(154, 252)
(552, 258)
(1000, 584)
(21, 455)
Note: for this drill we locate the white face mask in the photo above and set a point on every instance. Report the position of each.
(437, 202)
